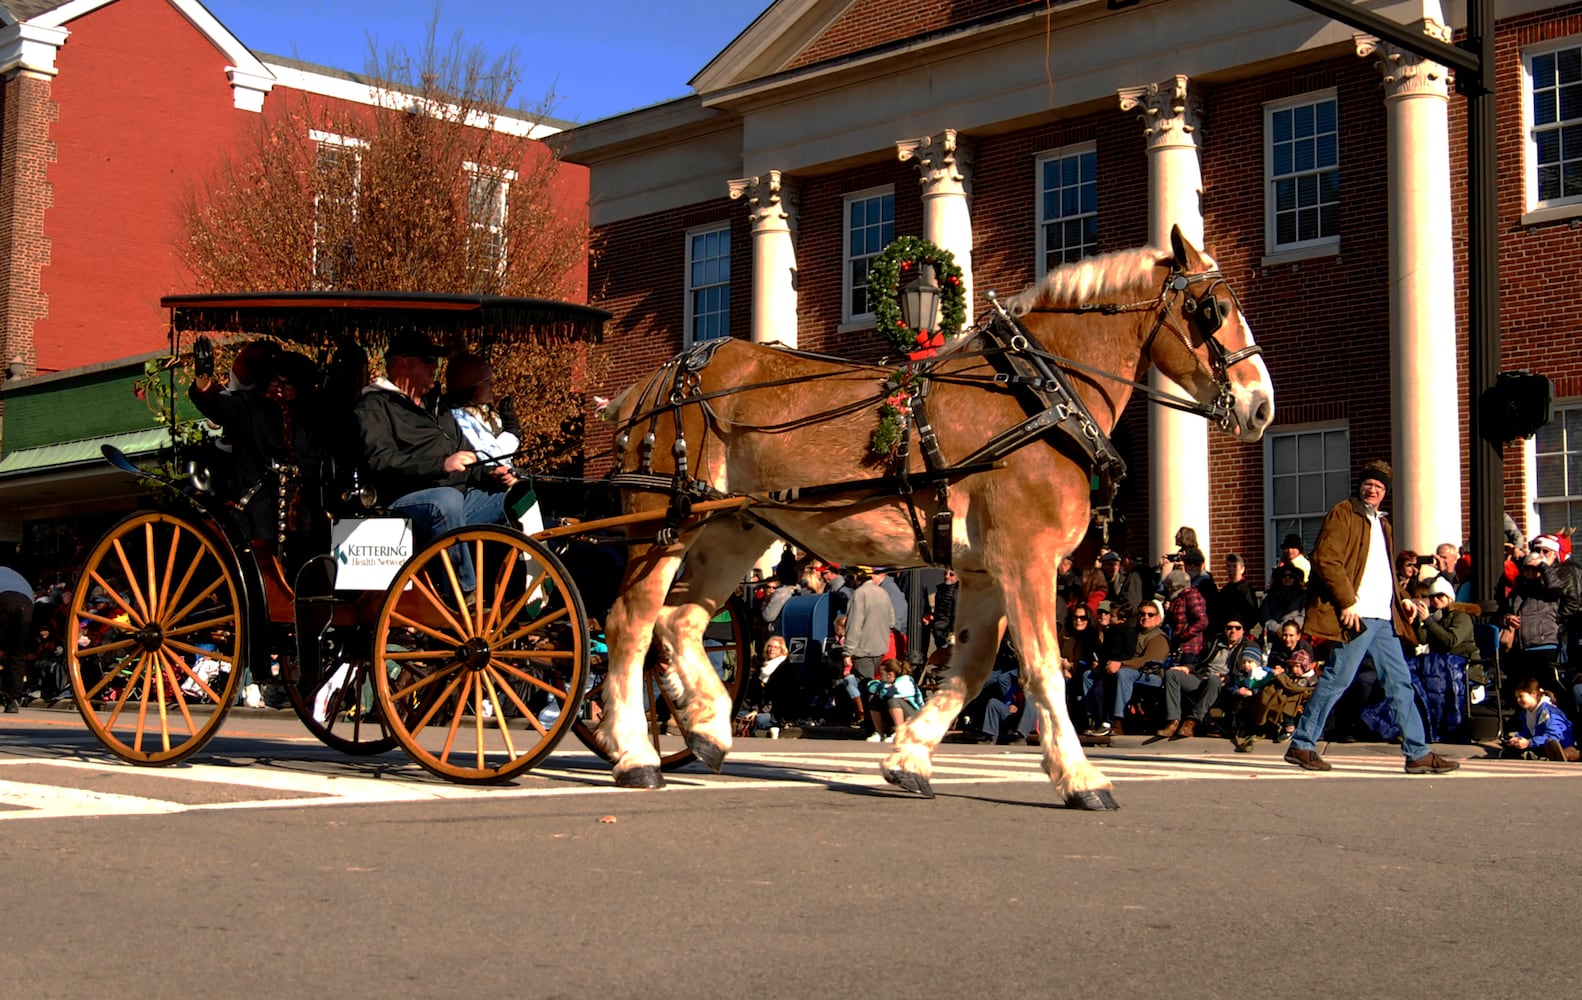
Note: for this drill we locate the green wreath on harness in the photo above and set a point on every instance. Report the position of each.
(900, 262)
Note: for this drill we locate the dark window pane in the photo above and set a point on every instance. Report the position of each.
(1328, 151)
(1305, 150)
(1090, 167)
(1285, 229)
(1302, 120)
(1282, 159)
(1326, 116)
(1070, 171)
(1544, 107)
(1090, 193)
(1570, 142)
(1307, 190)
(1329, 186)
(1572, 184)
(1548, 142)
(1544, 70)
(1329, 220)
(1284, 195)
(1280, 125)
(1571, 102)
(1568, 64)
(1307, 224)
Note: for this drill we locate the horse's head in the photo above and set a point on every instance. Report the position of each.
(1201, 339)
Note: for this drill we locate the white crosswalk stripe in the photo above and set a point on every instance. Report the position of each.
(33, 788)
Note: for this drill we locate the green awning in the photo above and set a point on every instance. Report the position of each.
(67, 454)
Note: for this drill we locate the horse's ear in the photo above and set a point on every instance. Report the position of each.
(1186, 255)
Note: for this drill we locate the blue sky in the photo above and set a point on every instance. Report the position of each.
(601, 57)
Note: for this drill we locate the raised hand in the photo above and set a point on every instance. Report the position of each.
(203, 357)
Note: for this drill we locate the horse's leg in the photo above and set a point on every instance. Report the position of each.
(980, 624)
(629, 631)
(717, 559)
(1031, 616)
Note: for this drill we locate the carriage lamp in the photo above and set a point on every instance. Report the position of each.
(921, 300)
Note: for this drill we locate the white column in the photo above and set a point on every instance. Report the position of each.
(1177, 442)
(945, 164)
(1424, 390)
(772, 198)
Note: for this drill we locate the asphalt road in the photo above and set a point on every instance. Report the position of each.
(271, 867)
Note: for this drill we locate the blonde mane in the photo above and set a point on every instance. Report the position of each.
(1091, 279)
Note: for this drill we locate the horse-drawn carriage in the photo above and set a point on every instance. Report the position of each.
(996, 446)
(372, 637)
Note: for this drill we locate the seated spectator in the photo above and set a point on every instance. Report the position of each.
(1202, 579)
(490, 428)
(894, 699)
(1093, 588)
(1444, 629)
(1000, 699)
(1406, 570)
(417, 462)
(1291, 555)
(1542, 729)
(1079, 644)
(1286, 600)
(1150, 650)
(1186, 614)
(1283, 693)
(16, 642)
(1202, 680)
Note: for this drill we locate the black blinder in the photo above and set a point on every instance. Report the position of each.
(1206, 314)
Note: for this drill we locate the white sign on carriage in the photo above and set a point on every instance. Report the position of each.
(369, 552)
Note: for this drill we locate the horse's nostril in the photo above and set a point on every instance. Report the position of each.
(1262, 414)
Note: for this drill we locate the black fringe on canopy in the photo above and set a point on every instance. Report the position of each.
(371, 317)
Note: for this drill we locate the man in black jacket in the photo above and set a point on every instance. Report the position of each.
(415, 458)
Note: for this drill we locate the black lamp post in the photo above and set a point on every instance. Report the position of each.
(921, 301)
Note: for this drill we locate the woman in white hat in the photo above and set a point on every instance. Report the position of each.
(1446, 630)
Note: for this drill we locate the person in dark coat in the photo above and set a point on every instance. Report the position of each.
(943, 622)
(415, 457)
(1236, 600)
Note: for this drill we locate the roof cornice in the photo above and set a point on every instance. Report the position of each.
(30, 48)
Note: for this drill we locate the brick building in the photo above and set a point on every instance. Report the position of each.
(1324, 170)
(108, 109)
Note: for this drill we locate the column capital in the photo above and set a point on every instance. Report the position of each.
(770, 196)
(943, 160)
(1171, 114)
(1407, 74)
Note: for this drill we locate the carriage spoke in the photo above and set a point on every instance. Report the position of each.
(534, 626)
(425, 587)
(421, 654)
(502, 577)
(455, 719)
(498, 682)
(560, 693)
(415, 687)
(455, 587)
(171, 661)
(108, 647)
(170, 568)
(192, 569)
(132, 616)
(419, 626)
(444, 696)
(213, 654)
(526, 595)
(142, 708)
(148, 558)
(225, 620)
(477, 591)
(131, 580)
(186, 610)
(179, 663)
(499, 715)
(477, 719)
(120, 703)
(164, 715)
(536, 654)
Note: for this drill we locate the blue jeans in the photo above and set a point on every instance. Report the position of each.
(1377, 638)
(438, 509)
(1125, 680)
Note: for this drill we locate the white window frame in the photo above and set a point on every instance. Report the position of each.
(1530, 130)
(492, 229)
(1270, 215)
(1535, 500)
(321, 139)
(1042, 223)
(846, 285)
(692, 235)
(1272, 523)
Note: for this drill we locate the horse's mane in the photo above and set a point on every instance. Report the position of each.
(1091, 279)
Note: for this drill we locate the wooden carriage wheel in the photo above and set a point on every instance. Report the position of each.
(478, 687)
(340, 708)
(727, 644)
(155, 640)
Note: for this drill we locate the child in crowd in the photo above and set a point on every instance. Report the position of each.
(892, 694)
(1542, 729)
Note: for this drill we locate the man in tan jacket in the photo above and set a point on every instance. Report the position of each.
(1354, 601)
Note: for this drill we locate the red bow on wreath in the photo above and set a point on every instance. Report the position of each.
(928, 345)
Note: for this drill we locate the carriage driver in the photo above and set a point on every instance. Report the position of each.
(415, 457)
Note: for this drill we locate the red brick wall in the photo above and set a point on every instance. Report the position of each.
(1539, 316)
(26, 111)
(868, 23)
(144, 103)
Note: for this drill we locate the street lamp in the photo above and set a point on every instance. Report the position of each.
(921, 300)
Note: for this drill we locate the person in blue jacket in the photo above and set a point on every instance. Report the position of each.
(1542, 729)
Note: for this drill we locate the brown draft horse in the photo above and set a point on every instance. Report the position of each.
(758, 419)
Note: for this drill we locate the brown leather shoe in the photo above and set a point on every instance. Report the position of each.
(1116, 729)
(1169, 730)
(1554, 751)
(1307, 760)
(1187, 731)
(1431, 763)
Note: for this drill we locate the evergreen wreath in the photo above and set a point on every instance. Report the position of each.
(899, 262)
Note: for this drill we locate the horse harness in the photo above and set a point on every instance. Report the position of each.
(1039, 379)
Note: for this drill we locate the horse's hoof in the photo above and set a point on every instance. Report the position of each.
(909, 782)
(1094, 800)
(707, 751)
(646, 776)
